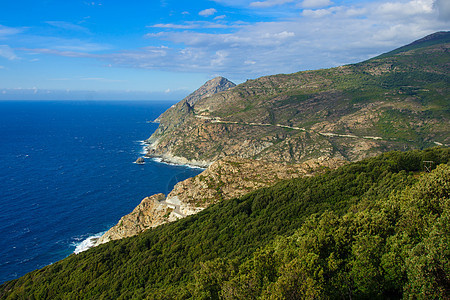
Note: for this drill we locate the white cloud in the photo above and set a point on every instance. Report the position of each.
(7, 52)
(318, 37)
(194, 25)
(221, 17)
(317, 13)
(315, 3)
(2, 67)
(92, 3)
(395, 10)
(207, 12)
(356, 12)
(57, 52)
(443, 7)
(280, 35)
(269, 3)
(9, 31)
(68, 26)
(220, 58)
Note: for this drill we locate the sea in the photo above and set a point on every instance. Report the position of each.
(67, 174)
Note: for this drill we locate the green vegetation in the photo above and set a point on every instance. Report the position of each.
(378, 228)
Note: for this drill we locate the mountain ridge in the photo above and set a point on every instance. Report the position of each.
(396, 102)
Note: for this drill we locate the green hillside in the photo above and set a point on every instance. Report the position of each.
(378, 228)
(396, 101)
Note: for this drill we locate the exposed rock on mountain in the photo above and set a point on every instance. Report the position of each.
(396, 101)
(149, 213)
(211, 87)
(225, 179)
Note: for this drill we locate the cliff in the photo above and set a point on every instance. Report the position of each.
(396, 101)
(225, 179)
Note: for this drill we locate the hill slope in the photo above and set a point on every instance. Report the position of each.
(395, 101)
(366, 240)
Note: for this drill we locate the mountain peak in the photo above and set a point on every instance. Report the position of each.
(211, 87)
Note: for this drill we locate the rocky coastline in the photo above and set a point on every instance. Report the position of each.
(225, 179)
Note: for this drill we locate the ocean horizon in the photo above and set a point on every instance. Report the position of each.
(68, 173)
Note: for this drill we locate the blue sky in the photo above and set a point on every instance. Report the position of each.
(165, 49)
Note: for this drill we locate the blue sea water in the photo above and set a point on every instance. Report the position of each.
(67, 173)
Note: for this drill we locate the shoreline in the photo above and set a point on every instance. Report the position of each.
(173, 160)
(91, 241)
(87, 243)
(172, 163)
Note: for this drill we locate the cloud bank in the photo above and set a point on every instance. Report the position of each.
(306, 34)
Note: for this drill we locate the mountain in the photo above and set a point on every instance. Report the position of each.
(211, 87)
(396, 101)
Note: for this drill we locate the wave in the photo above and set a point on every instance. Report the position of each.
(144, 147)
(87, 243)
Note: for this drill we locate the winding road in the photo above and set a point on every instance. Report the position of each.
(329, 134)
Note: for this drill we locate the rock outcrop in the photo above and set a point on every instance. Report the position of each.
(140, 161)
(211, 87)
(149, 213)
(225, 179)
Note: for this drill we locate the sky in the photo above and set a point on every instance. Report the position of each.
(165, 49)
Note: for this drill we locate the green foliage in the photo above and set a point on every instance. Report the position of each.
(369, 229)
(397, 246)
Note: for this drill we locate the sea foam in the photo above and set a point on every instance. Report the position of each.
(165, 162)
(87, 243)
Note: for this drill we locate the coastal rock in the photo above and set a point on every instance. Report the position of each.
(225, 179)
(149, 213)
(233, 177)
(140, 161)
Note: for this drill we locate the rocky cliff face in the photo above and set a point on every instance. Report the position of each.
(225, 179)
(149, 213)
(394, 102)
